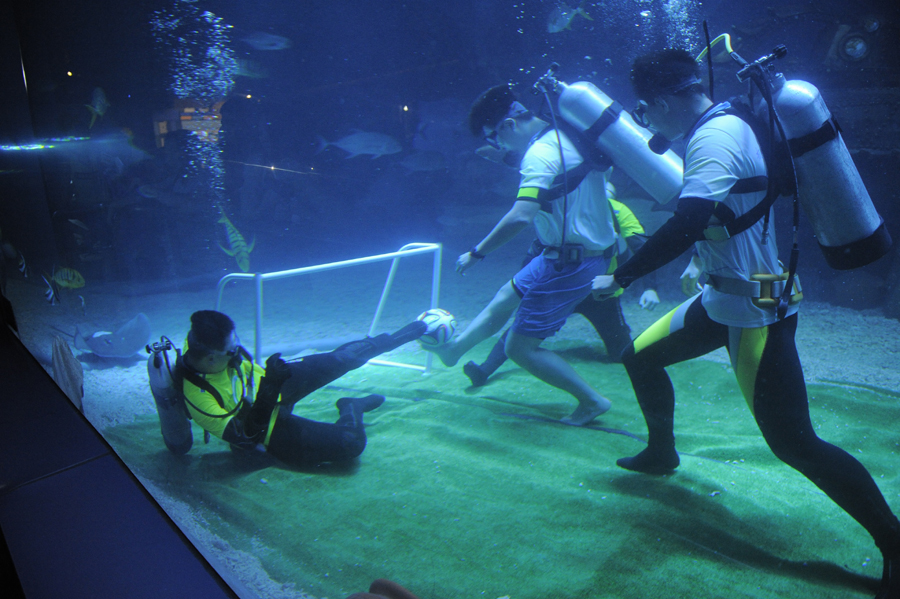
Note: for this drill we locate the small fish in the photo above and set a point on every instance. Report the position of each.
(98, 106)
(562, 15)
(244, 67)
(239, 248)
(362, 142)
(267, 41)
(52, 293)
(68, 278)
(78, 223)
(83, 311)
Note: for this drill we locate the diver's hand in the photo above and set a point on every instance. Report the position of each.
(604, 286)
(690, 278)
(649, 300)
(491, 153)
(465, 262)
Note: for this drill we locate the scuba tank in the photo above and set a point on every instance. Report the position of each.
(603, 121)
(827, 185)
(849, 230)
(174, 420)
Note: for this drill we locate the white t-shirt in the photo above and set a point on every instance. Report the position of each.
(589, 218)
(722, 151)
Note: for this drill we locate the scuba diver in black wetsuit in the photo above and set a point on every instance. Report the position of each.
(248, 406)
(737, 308)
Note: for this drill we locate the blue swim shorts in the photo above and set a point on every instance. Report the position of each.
(549, 296)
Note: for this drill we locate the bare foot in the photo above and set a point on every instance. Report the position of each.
(447, 353)
(586, 412)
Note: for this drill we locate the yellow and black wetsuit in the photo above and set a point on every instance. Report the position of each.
(292, 439)
(768, 371)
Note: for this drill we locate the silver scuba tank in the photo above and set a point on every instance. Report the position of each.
(849, 230)
(613, 130)
(173, 415)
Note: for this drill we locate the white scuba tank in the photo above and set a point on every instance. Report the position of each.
(613, 130)
(173, 416)
(849, 230)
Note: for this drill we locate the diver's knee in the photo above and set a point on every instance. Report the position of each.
(353, 443)
(519, 347)
(629, 359)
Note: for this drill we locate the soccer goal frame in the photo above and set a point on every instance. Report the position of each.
(410, 249)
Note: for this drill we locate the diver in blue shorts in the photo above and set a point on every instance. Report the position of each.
(573, 222)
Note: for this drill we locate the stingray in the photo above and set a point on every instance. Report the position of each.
(68, 372)
(124, 343)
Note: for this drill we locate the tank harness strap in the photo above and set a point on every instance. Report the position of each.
(750, 185)
(809, 142)
(732, 224)
(201, 383)
(592, 159)
(607, 118)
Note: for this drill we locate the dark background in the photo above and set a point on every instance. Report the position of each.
(355, 65)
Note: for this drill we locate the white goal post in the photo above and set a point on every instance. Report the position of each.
(410, 249)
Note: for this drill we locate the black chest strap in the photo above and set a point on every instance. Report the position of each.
(201, 383)
(732, 224)
(592, 159)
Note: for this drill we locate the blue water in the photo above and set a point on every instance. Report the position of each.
(221, 107)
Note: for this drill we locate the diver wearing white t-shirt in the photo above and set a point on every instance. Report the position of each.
(737, 308)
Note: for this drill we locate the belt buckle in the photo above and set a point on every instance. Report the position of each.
(571, 253)
(771, 288)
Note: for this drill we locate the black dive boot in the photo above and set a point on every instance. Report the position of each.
(653, 460)
(890, 573)
(890, 577)
(351, 409)
(480, 374)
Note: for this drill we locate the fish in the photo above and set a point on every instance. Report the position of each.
(244, 67)
(267, 41)
(78, 223)
(362, 142)
(129, 339)
(562, 15)
(239, 248)
(8, 251)
(68, 372)
(98, 106)
(68, 278)
(424, 161)
(52, 293)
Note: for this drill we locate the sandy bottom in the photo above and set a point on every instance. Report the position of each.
(482, 493)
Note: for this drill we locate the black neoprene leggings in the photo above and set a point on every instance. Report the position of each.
(300, 441)
(779, 403)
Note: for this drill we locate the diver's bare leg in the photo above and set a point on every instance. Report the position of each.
(489, 321)
(553, 370)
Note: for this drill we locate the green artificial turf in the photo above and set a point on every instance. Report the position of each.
(465, 493)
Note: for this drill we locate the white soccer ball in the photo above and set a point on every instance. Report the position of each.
(441, 326)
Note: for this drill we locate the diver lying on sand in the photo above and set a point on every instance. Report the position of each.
(248, 406)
